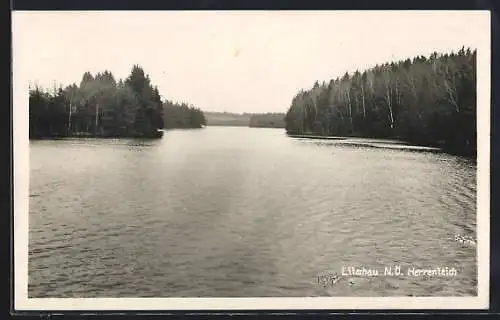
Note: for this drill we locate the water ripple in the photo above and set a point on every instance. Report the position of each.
(232, 212)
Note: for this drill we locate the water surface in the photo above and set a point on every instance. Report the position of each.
(234, 211)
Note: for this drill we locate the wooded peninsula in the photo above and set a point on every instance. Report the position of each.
(424, 101)
(103, 107)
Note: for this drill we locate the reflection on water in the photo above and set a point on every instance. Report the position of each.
(230, 212)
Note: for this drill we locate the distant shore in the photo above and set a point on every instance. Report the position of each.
(252, 120)
(310, 136)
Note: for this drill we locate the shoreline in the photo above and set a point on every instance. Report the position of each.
(390, 144)
(315, 137)
(158, 135)
(354, 141)
(393, 140)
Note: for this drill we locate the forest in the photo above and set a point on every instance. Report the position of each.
(429, 101)
(227, 119)
(182, 116)
(267, 120)
(253, 120)
(101, 106)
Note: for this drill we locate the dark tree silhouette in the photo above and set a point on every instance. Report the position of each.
(427, 101)
(101, 106)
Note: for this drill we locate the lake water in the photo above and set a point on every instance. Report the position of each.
(234, 211)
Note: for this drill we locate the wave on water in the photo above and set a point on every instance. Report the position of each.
(367, 143)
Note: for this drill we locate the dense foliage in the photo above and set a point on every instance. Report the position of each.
(267, 120)
(101, 106)
(182, 116)
(428, 101)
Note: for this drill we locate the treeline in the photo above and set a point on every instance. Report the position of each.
(267, 120)
(182, 115)
(427, 101)
(227, 119)
(101, 106)
(254, 120)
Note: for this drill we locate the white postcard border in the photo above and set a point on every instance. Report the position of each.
(21, 196)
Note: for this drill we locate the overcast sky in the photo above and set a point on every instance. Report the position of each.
(252, 61)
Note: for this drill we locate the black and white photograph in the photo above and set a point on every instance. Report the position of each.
(189, 160)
